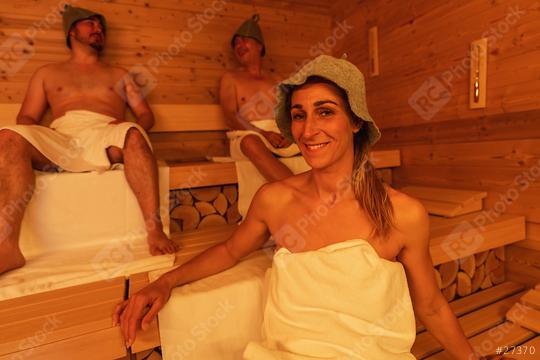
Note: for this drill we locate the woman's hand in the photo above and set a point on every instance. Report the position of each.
(145, 304)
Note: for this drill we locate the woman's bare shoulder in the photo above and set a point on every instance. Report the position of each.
(283, 191)
(409, 213)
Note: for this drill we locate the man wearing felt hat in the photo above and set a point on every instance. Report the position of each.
(87, 99)
(247, 96)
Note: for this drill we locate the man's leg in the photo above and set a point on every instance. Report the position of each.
(16, 187)
(263, 159)
(142, 176)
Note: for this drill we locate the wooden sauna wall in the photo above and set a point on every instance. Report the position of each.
(496, 149)
(182, 45)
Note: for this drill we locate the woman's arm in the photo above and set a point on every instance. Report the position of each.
(429, 304)
(249, 236)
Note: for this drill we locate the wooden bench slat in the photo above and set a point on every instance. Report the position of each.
(486, 343)
(458, 237)
(530, 350)
(149, 338)
(472, 324)
(453, 196)
(532, 299)
(480, 299)
(198, 174)
(103, 344)
(450, 209)
(59, 314)
(205, 173)
(525, 316)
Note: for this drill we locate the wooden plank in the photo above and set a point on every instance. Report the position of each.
(459, 237)
(194, 242)
(532, 299)
(471, 324)
(448, 209)
(149, 338)
(385, 158)
(506, 334)
(187, 117)
(525, 316)
(444, 194)
(526, 351)
(480, 299)
(199, 174)
(102, 344)
(497, 127)
(523, 265)
(39, 320)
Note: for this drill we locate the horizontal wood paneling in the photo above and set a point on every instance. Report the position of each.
(141, 30)
(492, 149)
(419, 40)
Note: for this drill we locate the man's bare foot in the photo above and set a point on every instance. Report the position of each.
(10, 258)
(160, 244)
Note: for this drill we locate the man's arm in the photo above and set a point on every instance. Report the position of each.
(35, 102)
(137, 103)
(429, 304)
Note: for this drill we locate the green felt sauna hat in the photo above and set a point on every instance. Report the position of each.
(73, 14)
(339, 71)
(250, 28)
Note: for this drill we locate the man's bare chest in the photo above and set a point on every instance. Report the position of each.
(87, 84)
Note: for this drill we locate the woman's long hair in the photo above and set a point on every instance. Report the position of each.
(367, 185)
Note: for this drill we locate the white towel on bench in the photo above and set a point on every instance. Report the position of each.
(83, 227)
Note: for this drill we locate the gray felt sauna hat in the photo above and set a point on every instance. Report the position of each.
(73, 14)
(339, 71)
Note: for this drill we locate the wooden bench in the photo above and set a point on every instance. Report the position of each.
(185, 134)
(477, 314)
(79, 318)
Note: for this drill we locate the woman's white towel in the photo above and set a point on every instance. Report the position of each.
(339, 302)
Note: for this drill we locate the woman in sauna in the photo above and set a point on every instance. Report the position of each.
(344, 286)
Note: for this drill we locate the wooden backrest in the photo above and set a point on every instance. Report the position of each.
(169, 117)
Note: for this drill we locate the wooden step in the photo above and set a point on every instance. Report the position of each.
(205, 173)
(193, 242)
(472, 324)
(480, 299)
(531, 299)
(526, 312)
(528, 350)
(447, 202)
(525, 316)
(66, 321)
(451, 239)
(149, 338)
(458, 237)
(503, 336)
